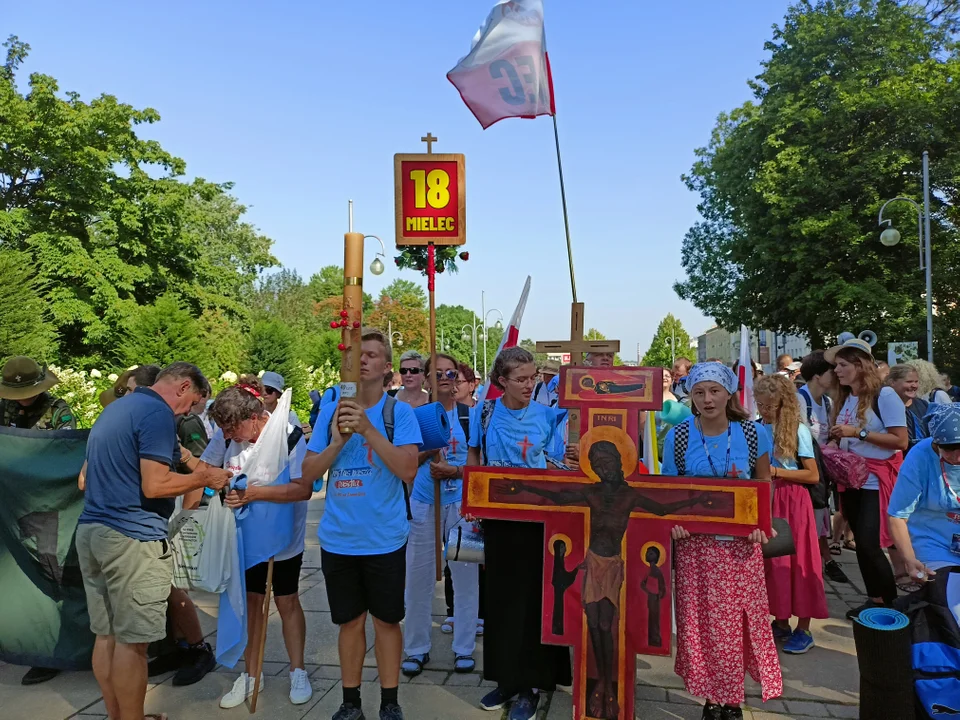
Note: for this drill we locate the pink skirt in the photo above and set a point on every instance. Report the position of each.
(723, 627)
(795, 582)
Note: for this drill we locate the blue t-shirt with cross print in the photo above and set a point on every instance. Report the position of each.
(706, 456)
(364, 513)
(516, 438)
(451, 491)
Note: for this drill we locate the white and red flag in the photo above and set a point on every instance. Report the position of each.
(507, 72)
(511, 338)
(745, 373)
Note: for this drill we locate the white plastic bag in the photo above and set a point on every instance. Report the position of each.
(203, 542)
(269, 455)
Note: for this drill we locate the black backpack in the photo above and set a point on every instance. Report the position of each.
(819, 493)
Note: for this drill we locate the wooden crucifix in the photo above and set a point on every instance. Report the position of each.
(607, 585)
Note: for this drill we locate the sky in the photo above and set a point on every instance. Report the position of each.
(302, 106)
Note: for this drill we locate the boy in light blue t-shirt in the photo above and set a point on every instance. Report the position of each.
(363, 531)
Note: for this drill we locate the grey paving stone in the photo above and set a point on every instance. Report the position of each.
(851, 712)
(799, 707)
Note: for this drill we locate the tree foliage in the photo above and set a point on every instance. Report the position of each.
(163, 333)
(670, 340)
(791, 182)
(105, 217)
(25, 328)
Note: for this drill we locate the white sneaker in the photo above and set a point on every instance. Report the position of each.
(241, 690)
(300, 688)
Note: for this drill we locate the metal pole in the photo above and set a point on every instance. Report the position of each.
(926, 222)
(349, 215)
(473, 329)
(673, 346)
(483, 311)
(566, 219)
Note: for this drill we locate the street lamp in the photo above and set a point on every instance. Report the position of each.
(891, 236)
(391, 333)
(484, 313)
(470, 332)
(376, 267)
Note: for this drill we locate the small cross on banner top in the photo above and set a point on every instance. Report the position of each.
(429, 140)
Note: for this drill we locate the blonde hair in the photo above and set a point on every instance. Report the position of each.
(901, 372)
(930, 379)
(789, 418)
(372, 333)
(870, 383)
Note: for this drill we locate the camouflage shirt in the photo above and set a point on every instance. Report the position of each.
(45, 413)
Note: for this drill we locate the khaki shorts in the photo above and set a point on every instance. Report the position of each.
(127, 583)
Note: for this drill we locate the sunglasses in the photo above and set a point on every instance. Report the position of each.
(409, 371)
(450, 375)
(273, 391)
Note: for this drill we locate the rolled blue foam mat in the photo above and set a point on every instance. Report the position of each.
(434, 426)
(883, 619)
(884, 648)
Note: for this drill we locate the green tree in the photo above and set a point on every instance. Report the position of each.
(327, 283)
(594, 334)
(791, 183)
(105, 217)
(669, 341)
(406, 293)
(25, 328)
(271, 345)
(163, 333)
(453, 321)
(224, 342)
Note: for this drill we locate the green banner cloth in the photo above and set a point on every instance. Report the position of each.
(43, 610)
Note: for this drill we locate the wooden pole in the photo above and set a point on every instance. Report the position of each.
(263, 638)
(351, 317)
(431, 287)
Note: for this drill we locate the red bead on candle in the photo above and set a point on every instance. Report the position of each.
(334, 324)
(341, 347)
(343, 323)
(356, 323)
(344, 313)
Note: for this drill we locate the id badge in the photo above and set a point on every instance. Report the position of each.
(955, 544)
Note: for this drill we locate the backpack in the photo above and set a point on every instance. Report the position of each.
(486, 413)
(463, 415)
(917, 428)
(681, 439)
(819, 493)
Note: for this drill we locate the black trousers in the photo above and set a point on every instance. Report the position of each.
(861, 508)
(448, 590)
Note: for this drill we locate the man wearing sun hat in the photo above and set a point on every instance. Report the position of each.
(26, 403)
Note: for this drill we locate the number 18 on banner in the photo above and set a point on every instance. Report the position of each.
(430, 199)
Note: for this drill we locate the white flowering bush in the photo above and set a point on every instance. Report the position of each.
(80, 390)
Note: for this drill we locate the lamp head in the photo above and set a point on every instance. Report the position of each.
(376, 267)
(498, 325)
(890, 237)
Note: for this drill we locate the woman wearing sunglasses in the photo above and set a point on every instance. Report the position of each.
(444, 467)
(411, 375)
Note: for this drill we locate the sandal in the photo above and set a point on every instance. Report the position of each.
(850, 545)
(908, 587)
(836, 548)
(412, 665)
(447, 627)
(464, 664)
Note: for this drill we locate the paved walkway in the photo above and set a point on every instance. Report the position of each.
(824, 683)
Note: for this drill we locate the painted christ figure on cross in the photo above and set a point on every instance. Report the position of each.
(611, 502)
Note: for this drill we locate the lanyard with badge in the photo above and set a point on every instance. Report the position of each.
(726, 462)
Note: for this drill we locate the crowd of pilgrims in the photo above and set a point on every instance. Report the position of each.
(733, 606)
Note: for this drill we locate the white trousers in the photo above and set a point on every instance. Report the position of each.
(421, 584)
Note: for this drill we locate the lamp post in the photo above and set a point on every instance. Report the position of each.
(391, 333)
(470, 332)
(891, 236)
(499, 325)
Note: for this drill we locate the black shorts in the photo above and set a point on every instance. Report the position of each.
(286, 577)
(360, 583)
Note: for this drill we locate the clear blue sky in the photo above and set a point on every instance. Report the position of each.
(303, 104)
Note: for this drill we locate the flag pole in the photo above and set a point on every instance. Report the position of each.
(566, 218)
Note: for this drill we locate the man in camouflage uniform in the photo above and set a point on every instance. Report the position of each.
(26, 403)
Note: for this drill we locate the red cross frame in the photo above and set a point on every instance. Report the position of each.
(579, 518)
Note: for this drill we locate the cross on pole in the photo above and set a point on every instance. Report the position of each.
(429, 140)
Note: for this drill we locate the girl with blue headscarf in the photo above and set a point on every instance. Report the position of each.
(723, 626)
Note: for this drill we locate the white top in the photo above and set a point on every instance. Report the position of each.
(235, 456)
(819, 421)
(894, 415)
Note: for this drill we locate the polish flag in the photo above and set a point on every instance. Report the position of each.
(511, 338)
(745, 373)
(507, 72)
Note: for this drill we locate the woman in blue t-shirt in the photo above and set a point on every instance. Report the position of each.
(512, 431)
(721, 595)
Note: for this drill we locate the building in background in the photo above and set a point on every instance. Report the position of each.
(765, 346)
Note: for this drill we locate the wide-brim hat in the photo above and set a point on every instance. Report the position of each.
(118, 390)
(551, 367)
(23, 378)
(855, 344)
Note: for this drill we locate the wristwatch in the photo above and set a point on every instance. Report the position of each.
(863, 434)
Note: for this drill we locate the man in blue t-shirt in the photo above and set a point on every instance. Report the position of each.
(363, 531)
(127, 567)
